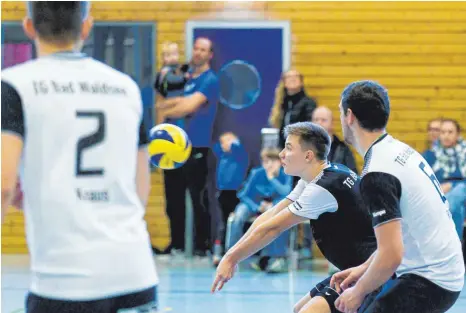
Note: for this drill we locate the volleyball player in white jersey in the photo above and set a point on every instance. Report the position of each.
(73, 127)
(416, 237)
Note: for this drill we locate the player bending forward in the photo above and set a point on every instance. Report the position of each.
(416, 237)
(85, 177)
(328, 196)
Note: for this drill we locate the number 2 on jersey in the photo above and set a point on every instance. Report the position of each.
(89, 141)
(434, 181)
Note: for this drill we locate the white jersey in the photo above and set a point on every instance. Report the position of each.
(432, 248)
(82, 126)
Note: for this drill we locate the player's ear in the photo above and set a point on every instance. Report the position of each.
(310, 155)
(350, 117)
(87, 27)
(29, 28)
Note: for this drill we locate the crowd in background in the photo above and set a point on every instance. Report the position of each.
(227, 192)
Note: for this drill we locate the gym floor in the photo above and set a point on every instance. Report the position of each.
(185, 288)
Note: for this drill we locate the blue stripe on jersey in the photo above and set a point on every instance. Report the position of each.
(69, 55)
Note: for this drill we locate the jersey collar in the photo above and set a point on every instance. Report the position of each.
(68, 55)
(368, 152)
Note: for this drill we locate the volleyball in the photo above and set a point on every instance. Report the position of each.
(169, 146)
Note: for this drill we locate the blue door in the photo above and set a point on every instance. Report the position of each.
(262, 45)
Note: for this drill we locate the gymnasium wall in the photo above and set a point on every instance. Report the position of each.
(416, 49)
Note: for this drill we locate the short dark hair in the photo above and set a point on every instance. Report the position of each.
(208, 39)
(369, 102)
(454, 122)
(57, 21)
(312, 136)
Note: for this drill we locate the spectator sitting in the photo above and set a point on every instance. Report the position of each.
(448, 161)
(339, 151)
(232, 166)
(433, 133)
(264, 187)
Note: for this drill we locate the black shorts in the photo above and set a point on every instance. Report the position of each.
(330, 295)
(324, 290)
(141, 302)
(407, 294)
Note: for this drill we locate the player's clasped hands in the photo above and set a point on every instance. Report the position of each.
(225, 271)
(350, 299)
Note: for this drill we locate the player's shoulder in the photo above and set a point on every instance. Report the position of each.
(18, 77)
(16, 73)
(335, 174)
(337, 169)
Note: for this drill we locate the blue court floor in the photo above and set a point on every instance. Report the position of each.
(185, 288)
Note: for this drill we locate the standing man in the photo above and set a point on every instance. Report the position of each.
(199, 107)
(169, 83)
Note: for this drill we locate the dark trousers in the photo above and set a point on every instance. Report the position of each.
(228, 201)
(175, 190)
(407, 294)
(194, 176)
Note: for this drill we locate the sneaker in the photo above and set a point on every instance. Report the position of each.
(216, 260)
(255, 266)
(201, 253)
(217, 255)
(177, 253)
(277, 266)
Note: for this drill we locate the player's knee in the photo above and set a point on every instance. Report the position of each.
(298, 307)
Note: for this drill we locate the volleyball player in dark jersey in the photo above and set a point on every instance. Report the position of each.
(328, 196)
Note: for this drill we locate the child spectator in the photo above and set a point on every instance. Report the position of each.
(264, 187)
(232, 166)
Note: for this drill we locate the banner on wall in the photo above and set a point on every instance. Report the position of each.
(263, 46)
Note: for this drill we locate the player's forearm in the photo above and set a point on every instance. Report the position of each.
(382, 267)
(258, 239)
(258, 221)
(263, 218)
(143, 176)
(370, 259)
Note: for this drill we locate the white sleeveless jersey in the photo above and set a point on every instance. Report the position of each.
(432, 248)
(84, 221)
